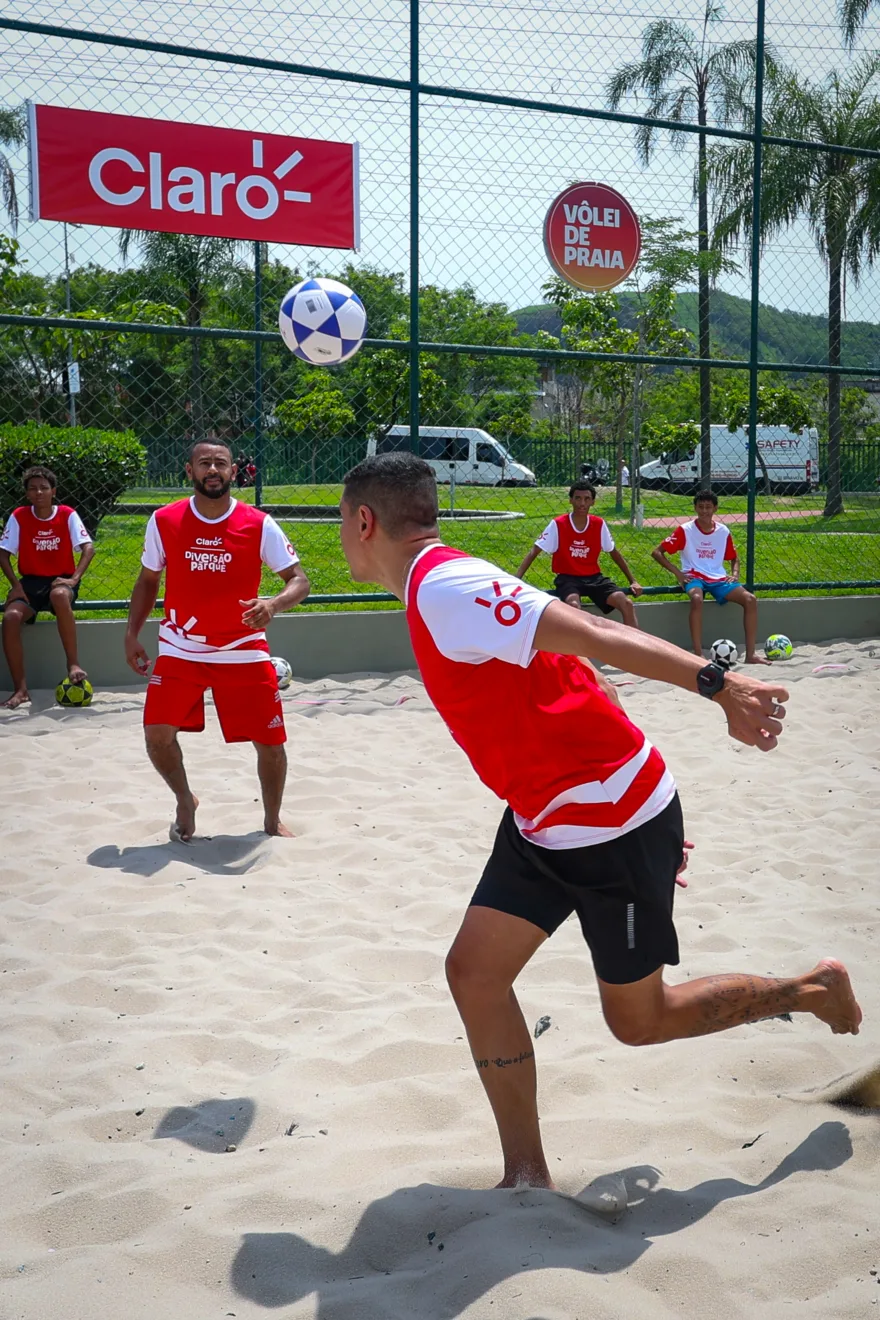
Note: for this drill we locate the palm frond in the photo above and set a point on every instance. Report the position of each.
(852, 14)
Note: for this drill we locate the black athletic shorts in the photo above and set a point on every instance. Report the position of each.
(37, 590)
(596, 588)
(622, 891)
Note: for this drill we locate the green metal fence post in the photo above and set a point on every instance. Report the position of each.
(755, 291)
(258, 375)
(414, 226)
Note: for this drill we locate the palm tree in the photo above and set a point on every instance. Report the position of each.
(12, 134)
(686, 79)
(837, 195)
(852, 14)
(190, 262)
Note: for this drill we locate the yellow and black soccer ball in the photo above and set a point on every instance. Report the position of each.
(69, 693)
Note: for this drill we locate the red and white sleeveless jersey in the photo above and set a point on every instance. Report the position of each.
(575, 553)
(535, 726)
(702, 553)
(210, 565)
(44, 546)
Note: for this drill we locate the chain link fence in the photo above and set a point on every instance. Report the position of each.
(740, 357)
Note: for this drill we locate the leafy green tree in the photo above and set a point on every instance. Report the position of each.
(685, 77)
(188, 263)
(12, 134)
(384, 378)
(318, 415)
(592, 323)
(778, 405)
(838, 195)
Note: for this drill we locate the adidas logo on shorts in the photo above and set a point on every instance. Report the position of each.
(156, 678)
(276, 723)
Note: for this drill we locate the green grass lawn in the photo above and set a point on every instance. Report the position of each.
(800, 548)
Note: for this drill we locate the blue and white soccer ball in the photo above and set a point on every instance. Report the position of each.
(322, 321)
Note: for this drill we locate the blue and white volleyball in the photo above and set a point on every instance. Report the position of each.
(322, 321)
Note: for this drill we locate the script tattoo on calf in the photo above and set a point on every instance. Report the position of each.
(505, 1063)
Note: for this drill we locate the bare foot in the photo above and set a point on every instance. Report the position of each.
(76, 673)
(17, 699)
(838, 1005)
(184, 826)
(528, 1177)
(277, 830)
(755, 659)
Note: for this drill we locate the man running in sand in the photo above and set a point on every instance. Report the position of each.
(43, 536)
(706, 546)
(593, 823)
(211, 548)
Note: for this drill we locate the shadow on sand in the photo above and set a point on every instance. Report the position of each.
(490, 1236)
(223, 854)
(211, 1125)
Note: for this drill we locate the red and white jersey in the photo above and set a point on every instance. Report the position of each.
(44, 546)
(702, 553)
(536, 727)
(211, 564)
(574, 552)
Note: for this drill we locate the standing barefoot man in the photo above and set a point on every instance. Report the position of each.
(593, 823)
(212, 548)
(43, 536)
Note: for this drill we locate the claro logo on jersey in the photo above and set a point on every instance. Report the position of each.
(47, 541)
(202, 560)
(507, 611)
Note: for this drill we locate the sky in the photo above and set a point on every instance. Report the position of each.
(487, 173)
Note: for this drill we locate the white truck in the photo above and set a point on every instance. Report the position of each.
(791, 459)
(464, 455)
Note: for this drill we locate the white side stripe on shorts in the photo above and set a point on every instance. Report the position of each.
(630, 925)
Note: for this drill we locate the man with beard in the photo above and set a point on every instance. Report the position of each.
(211, 548)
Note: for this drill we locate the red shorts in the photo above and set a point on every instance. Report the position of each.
(246, 697)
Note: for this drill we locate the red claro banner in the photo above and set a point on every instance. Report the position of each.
(131, 173)
(592, 237)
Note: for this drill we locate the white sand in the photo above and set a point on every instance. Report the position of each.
(161, 1003)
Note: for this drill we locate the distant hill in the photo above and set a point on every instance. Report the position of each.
(785, 336)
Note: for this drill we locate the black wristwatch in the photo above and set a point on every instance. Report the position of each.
(710, 680)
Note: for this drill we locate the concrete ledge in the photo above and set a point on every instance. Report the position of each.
(378, 641)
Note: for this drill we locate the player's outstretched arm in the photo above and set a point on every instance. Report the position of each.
(754, 710)
(143, 598)
(528, 561)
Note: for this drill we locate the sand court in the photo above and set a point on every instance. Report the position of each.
(234, 1081)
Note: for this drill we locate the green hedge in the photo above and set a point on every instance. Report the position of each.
(93, 467)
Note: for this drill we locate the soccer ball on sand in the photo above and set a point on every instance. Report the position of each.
(68, 693)
(778, 647)
(322, 321)
(724, 653)
(283, 671)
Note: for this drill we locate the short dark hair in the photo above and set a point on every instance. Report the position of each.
(582, 485)
(208, 440)
(401, 490)
(708, 495)
(32, 473)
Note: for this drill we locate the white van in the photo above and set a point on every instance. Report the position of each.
(465, 454)
(791, 458)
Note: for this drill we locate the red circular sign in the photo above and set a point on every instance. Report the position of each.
(592, 236)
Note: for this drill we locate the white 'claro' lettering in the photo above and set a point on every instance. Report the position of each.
(184, 188)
